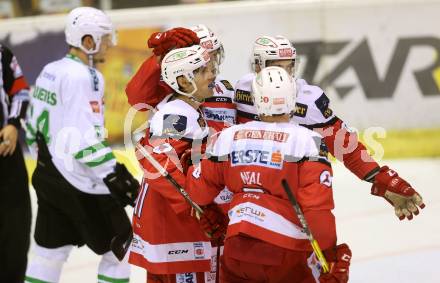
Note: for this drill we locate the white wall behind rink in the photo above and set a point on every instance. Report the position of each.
(381, 23)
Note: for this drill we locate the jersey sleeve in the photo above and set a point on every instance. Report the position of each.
(91, 149)
(312, 107)
(15, 86)
(205, 181)
(146, 86)
(345, 146)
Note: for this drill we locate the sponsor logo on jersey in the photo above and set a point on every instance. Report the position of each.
(199, 250)
(323, 105)
(95, 106)
(186, 277)
(178, 252)
(220, 115)
(261, 135)
(244, 97)
(250, 212)
(221, 99)
(174, 124)
(227, 85)
(95, 79)
(326, 178)
(301, 110)
(45, 95)
(258, 158)
(286, 52)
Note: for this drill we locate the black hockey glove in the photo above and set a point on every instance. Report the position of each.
(122, 185)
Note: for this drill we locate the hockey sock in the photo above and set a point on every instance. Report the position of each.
(46, 264)
(112, 270)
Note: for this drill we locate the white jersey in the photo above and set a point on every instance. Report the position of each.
(312, 105)
(179, 120)
(67, 108)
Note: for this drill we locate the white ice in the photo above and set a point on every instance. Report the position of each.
(385, 250)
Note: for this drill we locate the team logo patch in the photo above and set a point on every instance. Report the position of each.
(257, 157)
(301, 110)
(323, 105)
(244, 97)
(326, 178)
(174, 125)
(227, 85)
(199, 250)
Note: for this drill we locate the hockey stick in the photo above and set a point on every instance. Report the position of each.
(302, 219)
(170, 179)
(121, 243)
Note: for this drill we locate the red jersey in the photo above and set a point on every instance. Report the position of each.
(167, 238)
(313, 111)
(251, 160)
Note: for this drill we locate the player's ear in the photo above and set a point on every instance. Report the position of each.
(88, 42)
(184, 84)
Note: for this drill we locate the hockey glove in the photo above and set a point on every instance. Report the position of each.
(338, 259)
(122, 185)
(213, 221)
(162, 42)
(397, 192)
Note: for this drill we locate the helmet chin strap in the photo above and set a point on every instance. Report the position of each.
(91, 52)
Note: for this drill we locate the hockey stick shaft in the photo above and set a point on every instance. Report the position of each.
(315, 246)
(170, 179)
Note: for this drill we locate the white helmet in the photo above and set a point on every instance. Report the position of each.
(183, 62)
(272, 48)
(274, 92)
(209, 40)
(84, 21)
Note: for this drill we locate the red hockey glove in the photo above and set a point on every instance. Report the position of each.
(213, 221)
(162, 42)
(338, 259)
(398, 192)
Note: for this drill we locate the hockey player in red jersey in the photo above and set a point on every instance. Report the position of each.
(312, 111)
(168, 241)
(147, 87)
(264, 240)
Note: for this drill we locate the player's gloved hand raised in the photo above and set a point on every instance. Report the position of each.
(122, 185)
(398, 192)
(338, 258)
(213, 221)
(162, 42)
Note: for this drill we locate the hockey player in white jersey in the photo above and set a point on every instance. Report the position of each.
(313, 111)
(81, 189)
